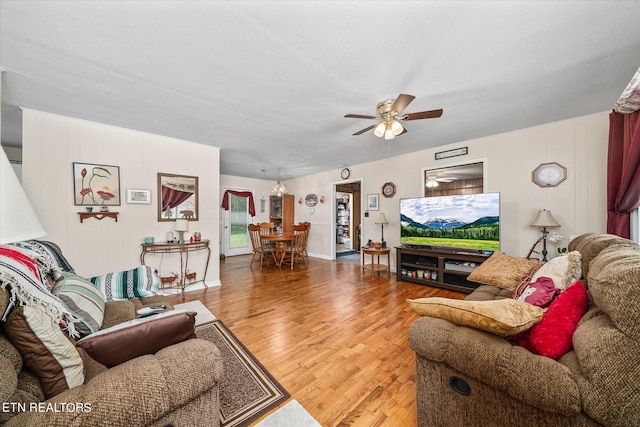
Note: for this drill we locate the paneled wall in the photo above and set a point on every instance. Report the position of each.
(578, 204)
(51, 143)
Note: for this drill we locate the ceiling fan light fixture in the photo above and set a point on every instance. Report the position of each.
(431, 182)
(388, 134)
(396, 128)
(379, 131)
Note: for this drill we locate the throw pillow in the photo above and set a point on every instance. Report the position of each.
(502, 317)
(539, 293)
(563, 270)
(552, 336)
(83, 300)
(46, 350)
(138, 337)
(140, 282)
(502, 270)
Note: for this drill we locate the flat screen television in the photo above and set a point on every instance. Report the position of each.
(465, 222)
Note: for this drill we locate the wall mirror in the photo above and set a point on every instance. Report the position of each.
(454, 179)
(177, 197)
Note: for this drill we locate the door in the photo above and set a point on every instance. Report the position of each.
(237, 219)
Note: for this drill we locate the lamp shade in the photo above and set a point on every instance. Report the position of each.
(182, 225)
(544, 219)
(379, 130)
(18, 221)
(382, 219)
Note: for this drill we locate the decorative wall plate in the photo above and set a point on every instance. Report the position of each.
(389, 189)
(549, 174)
(311, 200)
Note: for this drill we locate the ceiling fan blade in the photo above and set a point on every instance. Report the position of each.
(360, 132)
(431, 114)
(401, 102)
(360, 116)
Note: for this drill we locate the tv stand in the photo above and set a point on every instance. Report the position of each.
(443, 268)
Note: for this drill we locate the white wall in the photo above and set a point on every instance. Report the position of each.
(578, 204)
(51, 143)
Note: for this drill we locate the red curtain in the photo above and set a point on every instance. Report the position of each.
(248, 194)
(172, 198)
(623, 171)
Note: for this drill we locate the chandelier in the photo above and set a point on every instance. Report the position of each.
(279, 189)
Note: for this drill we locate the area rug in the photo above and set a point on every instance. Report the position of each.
(247, 390)
(203, 315)
(290, 415)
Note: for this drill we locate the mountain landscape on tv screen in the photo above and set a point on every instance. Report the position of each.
(449, 223)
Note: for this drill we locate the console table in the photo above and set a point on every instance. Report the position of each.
(443, 268)
(183, 249)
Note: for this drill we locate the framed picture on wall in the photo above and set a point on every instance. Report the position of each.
(138, 196)
(96, 185)
(372, 202)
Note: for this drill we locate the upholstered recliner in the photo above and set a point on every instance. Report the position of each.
(469, 377)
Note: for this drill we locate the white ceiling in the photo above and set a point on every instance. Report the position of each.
(270, 82)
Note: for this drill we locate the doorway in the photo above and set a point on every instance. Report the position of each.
(348, 214)
(236, 221)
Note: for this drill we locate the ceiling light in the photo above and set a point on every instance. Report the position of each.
(279, 189)
(388, 134)
(396, 128)
(379, 131)
(431, 182)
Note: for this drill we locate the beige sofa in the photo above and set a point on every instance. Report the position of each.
(502, 384)
(178, 385)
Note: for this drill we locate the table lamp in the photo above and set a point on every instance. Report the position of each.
(382, 220)
(18, 221)
(182, 225)
(545, 220)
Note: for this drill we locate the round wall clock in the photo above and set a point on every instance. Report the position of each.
(345, 173)
(389, 189)
(549, 174)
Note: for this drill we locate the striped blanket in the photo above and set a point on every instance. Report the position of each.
(23, 275)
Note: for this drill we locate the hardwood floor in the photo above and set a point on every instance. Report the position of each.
(335, 338)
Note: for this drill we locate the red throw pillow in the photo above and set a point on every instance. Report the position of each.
(552, 336)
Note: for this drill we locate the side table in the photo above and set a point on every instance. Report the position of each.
(375, 259)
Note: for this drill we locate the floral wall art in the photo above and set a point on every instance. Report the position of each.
(96, 185)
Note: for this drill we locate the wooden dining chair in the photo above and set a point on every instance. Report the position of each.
(297, 249)
(259, 250)
(306, 239)
(267, 228)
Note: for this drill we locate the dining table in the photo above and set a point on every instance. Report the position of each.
(281, 240)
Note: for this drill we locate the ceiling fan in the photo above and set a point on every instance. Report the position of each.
(433, 180)
(389, 114)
